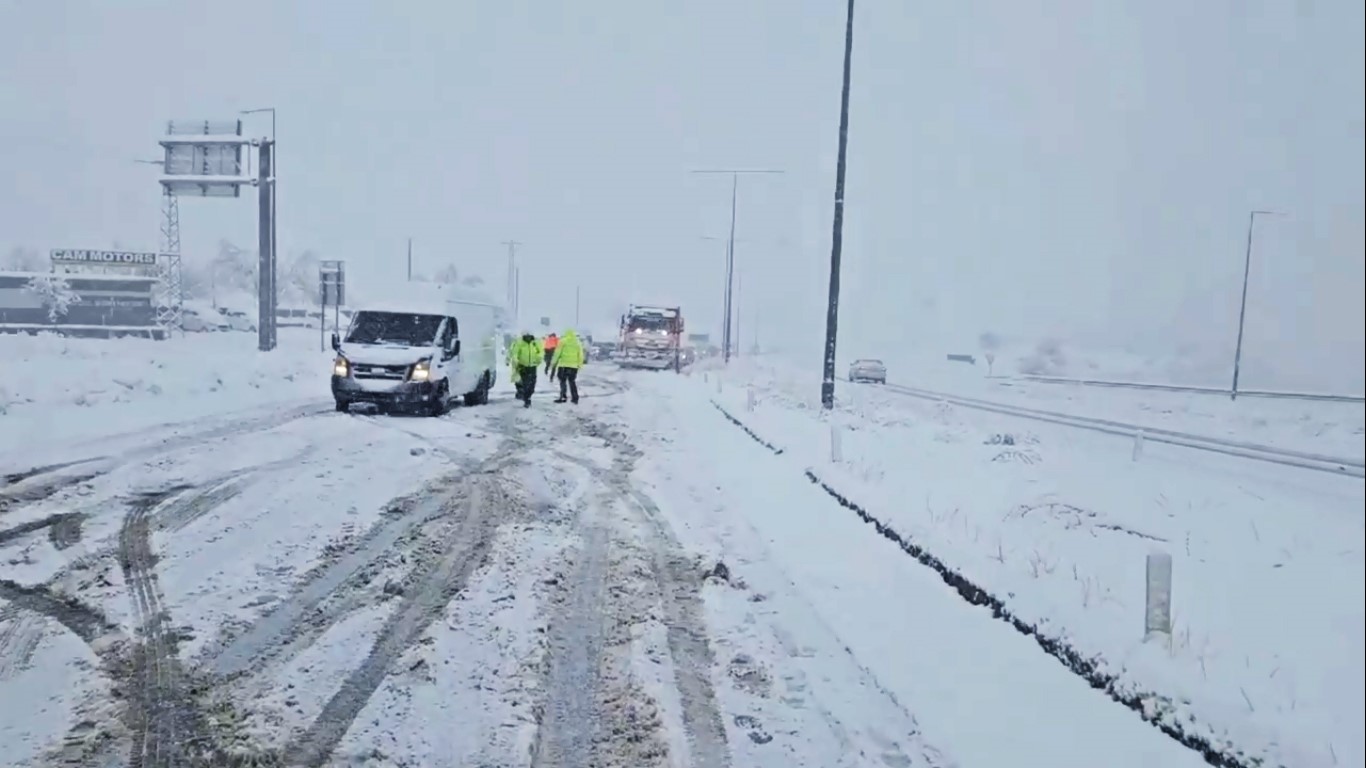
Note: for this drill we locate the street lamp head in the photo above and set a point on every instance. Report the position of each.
(257, 111)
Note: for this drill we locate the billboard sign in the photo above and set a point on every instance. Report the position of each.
(203, 158)
(104, 258)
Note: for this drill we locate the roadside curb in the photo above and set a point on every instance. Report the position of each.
(1154, 708)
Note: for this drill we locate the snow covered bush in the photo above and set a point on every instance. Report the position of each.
(1047, 360)
(55, 293)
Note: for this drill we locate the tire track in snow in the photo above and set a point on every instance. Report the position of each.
(79, 619)
(679, 590)
(162, 712)
(69, 522)
(20, 632)
(40, 483)
(456, 547)
(301, 618)
(567, 729)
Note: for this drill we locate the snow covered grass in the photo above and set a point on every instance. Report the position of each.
(1332, 428)
(69, 390)
(1268, 600)
(847, 652)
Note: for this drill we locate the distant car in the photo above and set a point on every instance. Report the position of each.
(868, 370)
(239, 320)
(196, 317)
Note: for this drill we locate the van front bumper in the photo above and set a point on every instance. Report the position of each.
(346, 389)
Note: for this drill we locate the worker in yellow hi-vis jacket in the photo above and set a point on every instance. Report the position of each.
(524, 356)
(567, 361)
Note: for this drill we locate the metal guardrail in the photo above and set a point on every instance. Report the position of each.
(1350, 466)
(1263, 393)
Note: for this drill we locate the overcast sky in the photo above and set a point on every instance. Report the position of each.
(1071, 168)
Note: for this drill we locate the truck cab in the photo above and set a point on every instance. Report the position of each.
(397, 357)
(651, 337)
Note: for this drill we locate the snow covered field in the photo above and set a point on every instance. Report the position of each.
(1268, 561)
(1332, 428)
(60, 391)
(635, 582)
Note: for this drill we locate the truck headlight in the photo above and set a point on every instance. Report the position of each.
(422, 371)
(341, 367)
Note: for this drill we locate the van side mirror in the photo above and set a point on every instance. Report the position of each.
(453, 349)
(336, 343)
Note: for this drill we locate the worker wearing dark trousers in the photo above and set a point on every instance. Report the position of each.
(567, 361)
(551, 342)
(525, 358)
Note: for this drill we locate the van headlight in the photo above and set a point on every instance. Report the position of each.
(341, 367)
(422, 371)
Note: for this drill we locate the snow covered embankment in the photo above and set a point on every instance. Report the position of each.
(1056, 523)
(60, 390)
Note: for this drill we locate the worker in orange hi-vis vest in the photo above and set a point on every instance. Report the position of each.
(551, 342)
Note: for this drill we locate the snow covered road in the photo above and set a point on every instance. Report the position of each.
(629, 583)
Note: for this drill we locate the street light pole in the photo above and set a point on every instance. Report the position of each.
(1242, 306)
(274, 189)
(837, 237)
(730, 250)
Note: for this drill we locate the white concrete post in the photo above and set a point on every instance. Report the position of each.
(718, 385)
(836, 454)
(1138, 445)
(749, 400)
(1157, 603)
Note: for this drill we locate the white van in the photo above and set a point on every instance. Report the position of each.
(419, 357)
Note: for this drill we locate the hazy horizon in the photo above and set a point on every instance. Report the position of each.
(1076, 171)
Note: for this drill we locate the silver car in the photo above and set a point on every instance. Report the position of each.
(868, 370)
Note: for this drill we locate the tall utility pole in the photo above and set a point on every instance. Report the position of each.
(739, 308)
(266, 267)
(832, 313)
(410, 259)
(726, 336)
(578, 291)
(274, 254)
(1242, 306)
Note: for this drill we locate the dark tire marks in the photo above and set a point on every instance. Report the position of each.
(78, 618)
(15, 477)
(65, 529)
(456, 547)
(300, 617)
(167, 730)
(566, 733)
(679, 585)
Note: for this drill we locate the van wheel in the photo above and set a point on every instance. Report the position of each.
(480, 395)
(438, 404)
(343, 406)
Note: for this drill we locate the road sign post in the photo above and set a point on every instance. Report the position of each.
(331, 290)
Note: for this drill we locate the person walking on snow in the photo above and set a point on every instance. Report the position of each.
(525, 358)
(567, 361)
(551, 342)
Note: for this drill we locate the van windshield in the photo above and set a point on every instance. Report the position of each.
(396, 328)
